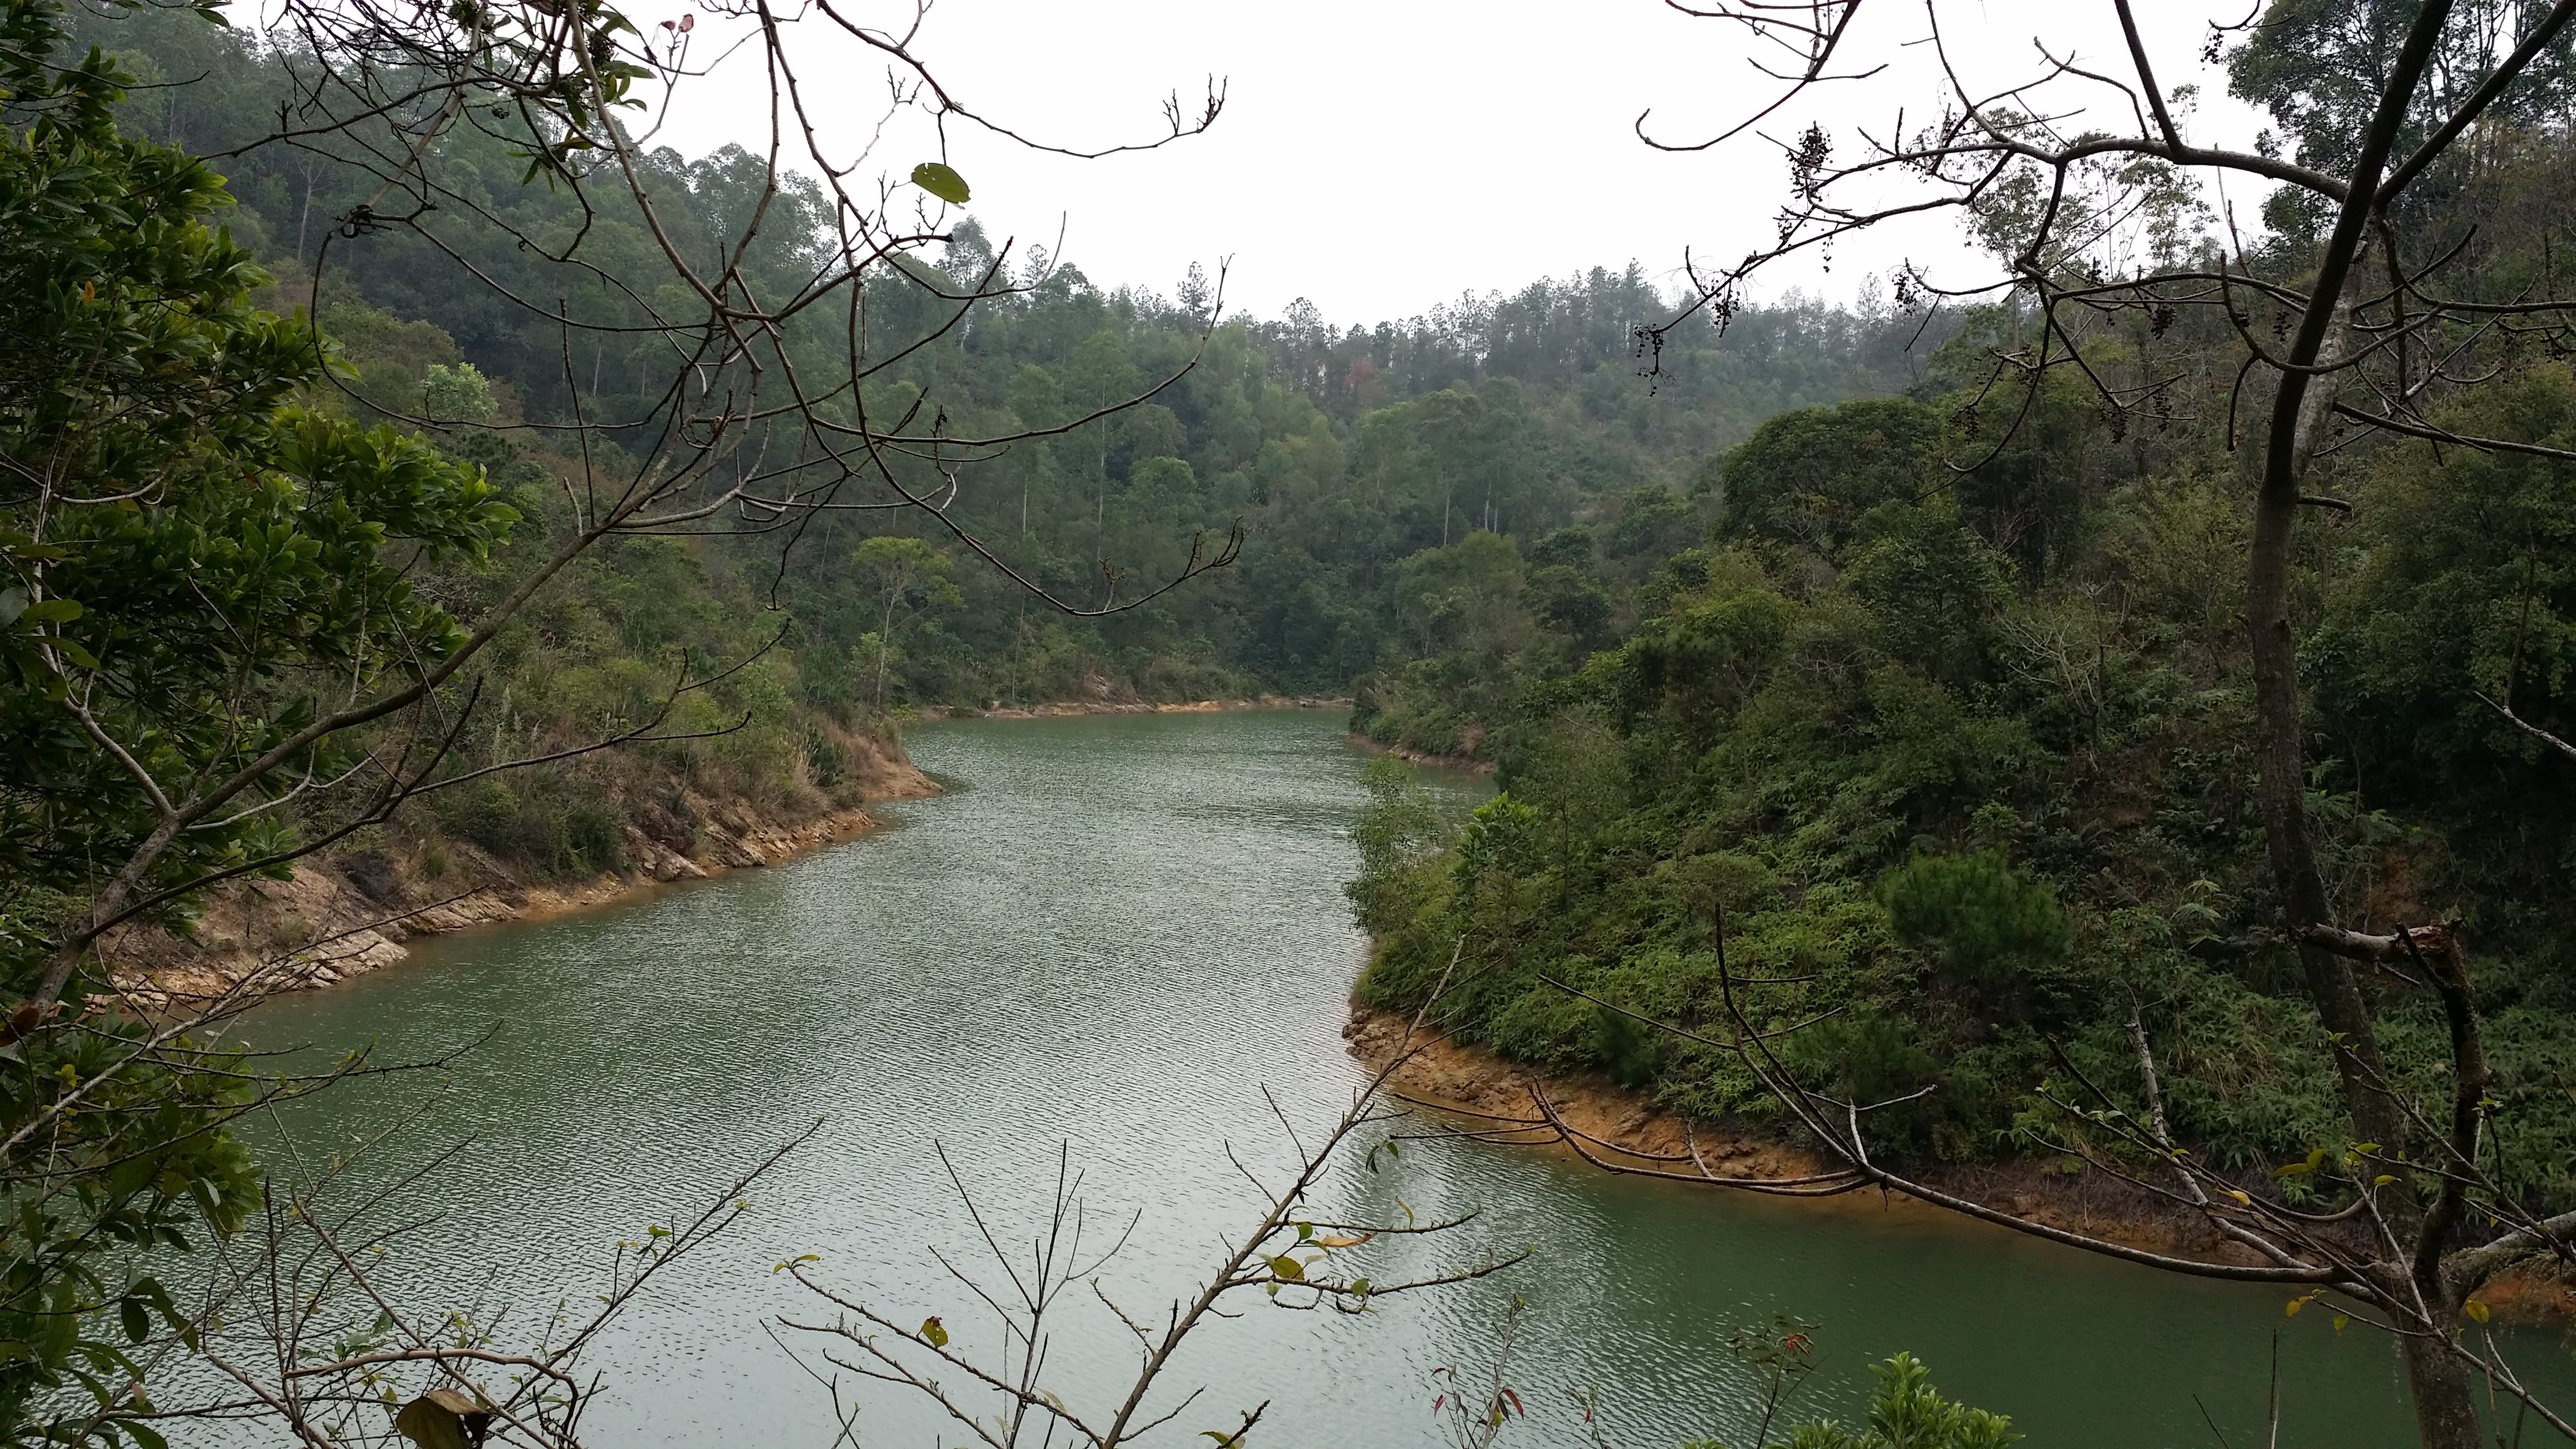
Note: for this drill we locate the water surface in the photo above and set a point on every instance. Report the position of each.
(1114, 937)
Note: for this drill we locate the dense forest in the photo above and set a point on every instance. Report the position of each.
(1875, 681)
(1927, 738)
(1387, 481)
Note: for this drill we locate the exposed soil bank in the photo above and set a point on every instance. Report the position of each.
(347, 912)
(1474, 1087)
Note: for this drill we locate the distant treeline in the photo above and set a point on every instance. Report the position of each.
(1342, 451)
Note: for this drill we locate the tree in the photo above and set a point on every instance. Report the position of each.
(237, 626)
(1807, 477)
(2388, 307)
(905, 576)
(459, 394)
(1465, 595)
(199, 571)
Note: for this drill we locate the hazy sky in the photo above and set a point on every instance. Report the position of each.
(1381, 156)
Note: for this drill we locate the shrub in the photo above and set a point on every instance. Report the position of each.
(2001, 938)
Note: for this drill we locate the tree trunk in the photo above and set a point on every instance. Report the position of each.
(885, 642)
(2446, 1404)
(2445, 1410)
(2280, 747)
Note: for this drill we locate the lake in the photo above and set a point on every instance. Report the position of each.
(1113, 936)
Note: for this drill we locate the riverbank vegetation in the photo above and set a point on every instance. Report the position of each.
(1980, 803)
(2141, 743)
(416, 487)
(1371, 470)
(410, 458)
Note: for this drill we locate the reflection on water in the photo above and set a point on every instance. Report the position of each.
(1113, 938)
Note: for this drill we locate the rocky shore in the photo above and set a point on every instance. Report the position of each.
(1474, 1088)
(347, 912)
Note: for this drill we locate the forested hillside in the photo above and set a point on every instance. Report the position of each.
(1342, 450)
(1372, 481)
(1940, 707)
(2113, 715)
(1382, 481)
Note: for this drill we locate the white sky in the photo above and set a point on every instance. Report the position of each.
(1381, 156)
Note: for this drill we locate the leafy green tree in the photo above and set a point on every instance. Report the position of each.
(2003, 938)
(1654, 523)
(459, 394)
(1565, 600)
(206, 564)
(1466, 595)
(2319, 67)
(1568, 547)
(1808, 477)
(1939, 588)
(198, 569)
(904, 576)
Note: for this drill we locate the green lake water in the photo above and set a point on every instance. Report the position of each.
(1114, 935)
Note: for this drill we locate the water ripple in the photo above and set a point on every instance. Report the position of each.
(1120, 931)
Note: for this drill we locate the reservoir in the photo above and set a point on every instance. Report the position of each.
(1110, 937)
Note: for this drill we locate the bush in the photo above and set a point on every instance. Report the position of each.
(2001, 937)
(549, 825)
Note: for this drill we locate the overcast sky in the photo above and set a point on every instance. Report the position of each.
(1382, 156)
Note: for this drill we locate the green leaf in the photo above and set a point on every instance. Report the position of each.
(51, 611)
(935, 1331)
(942, 181)
(1287, 1267)
(151, 1291)
(137, 1320)
(2475, 1310)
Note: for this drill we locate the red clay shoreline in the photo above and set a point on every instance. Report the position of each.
(1473, 1086)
